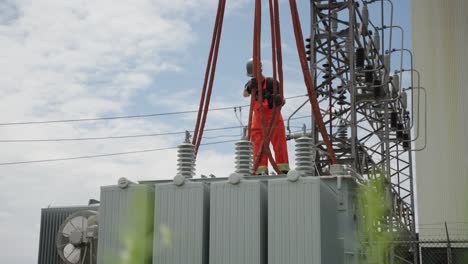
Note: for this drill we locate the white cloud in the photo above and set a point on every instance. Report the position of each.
(86, 47)
(84, 58)
(8, 11)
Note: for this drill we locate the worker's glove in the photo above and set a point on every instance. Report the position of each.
(250, 85)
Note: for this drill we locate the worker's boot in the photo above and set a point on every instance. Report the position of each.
(262, 170)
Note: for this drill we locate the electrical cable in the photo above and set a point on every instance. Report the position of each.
(123, 117)
(239, 117)
(110, 137)
(123, 136)
(105, 155)
(110, 118)
(223, 136)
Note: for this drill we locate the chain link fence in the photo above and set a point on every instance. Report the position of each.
(452, 252)
(431, 252)
(438, 251)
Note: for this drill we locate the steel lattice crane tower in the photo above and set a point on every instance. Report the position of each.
(362, 102)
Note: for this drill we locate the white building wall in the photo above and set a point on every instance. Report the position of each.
(440, 46)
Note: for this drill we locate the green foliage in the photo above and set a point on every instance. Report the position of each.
(375, 233)
(136, 241)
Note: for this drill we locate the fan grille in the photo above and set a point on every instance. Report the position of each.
(72, 241)
(51, 219)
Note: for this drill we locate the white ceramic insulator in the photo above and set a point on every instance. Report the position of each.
(396, 83)
(377, 40)
(387, 62)
(334, 22)
(365, 16)
(244, 154)
(305, 156)
(404, 99)
(186, 160)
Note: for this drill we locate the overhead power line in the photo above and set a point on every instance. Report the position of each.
(109, 118)
(109, 137)
(118, 153)
(105, 155)
(122, 117)
(130, 136)
(127, 136)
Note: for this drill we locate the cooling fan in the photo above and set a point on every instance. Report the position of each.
(77, 238)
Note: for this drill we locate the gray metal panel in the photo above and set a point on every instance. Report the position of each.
(238, 223)
(181, 223)
(332, 247)
(51, 219)
(346, 191)
(439, 40)
(126, 224)
(302, 222)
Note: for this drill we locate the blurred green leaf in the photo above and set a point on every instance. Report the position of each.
(374, 230)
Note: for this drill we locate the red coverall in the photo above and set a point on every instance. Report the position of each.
(278, 138)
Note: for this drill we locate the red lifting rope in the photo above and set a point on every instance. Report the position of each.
(267, 130)
(209, 74)
(308, 79)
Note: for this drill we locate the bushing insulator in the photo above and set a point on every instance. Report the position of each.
(186, 160)
(305, 155)
(406, 142)
(360, 57)
(341, 99)
(378, 89)
(399, 133)
(393, 120)
(369, 73)
(243, 154)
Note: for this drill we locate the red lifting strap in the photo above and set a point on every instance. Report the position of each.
(308, 79)
(267, 130)
(209, 77)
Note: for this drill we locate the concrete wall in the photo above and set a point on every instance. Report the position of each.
(440, 37)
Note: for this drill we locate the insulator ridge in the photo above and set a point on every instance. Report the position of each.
(243, 159)
(342, 131)
(369, 73)
(360, 57)
(341, 99)
(186, 160)
(305, 155)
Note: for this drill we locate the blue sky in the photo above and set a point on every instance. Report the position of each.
(91, 58)
(236, 48)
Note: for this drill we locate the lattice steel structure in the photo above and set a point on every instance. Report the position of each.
(363, 104)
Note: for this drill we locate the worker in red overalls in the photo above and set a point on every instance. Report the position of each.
(278, 138)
